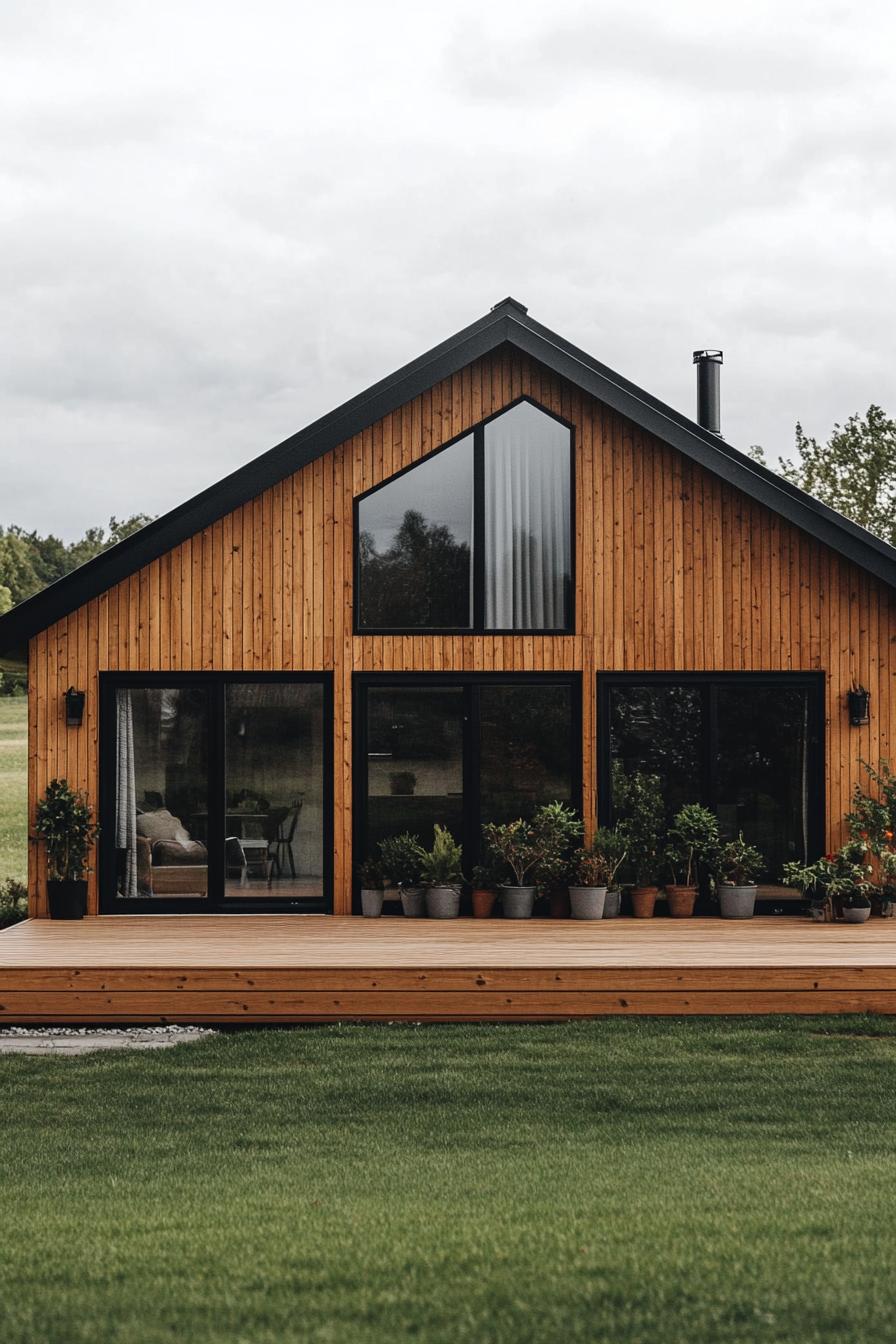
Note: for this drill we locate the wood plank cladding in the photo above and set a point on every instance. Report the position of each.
(675, 570)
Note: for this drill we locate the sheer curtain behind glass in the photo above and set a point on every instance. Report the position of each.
(527, 523)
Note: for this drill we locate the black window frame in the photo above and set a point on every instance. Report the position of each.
(477, 545)
(216, 902)
(471, 682)
(813, 682)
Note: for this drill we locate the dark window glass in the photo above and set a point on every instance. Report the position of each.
(746, 748)
(274, 824)
(525, 749)
(476, 536)
(660, 729)
(423, 742)
(762, 769)
(527, 521)
(415, 546)
(415, 762)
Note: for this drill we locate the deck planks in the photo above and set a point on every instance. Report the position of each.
(282, 968)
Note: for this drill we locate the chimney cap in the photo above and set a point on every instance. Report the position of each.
(701, 356)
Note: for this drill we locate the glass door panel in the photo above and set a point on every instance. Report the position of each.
(415, 762)
(161, 793)
(525, 749)
(660, 729)
(274, 791)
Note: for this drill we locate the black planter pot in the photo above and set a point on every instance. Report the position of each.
(67, 899)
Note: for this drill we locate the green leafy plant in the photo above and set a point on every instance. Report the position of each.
(64, 821)
(638, 807)
(370, 875)
(13, 902)
(612, 844)
(842, 875)
(441, 866)
(537, 849)
(740, 864)
(402, 859)
(693, 844)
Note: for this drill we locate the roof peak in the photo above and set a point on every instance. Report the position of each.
(510, 302)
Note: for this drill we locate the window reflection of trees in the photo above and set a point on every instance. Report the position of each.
(422, 579)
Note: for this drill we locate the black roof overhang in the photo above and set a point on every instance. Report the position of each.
(508, 323)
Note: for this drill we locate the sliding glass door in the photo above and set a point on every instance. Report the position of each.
(215, 792)
(748, 745)
(459, 751)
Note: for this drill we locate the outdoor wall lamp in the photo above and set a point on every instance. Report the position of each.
(74, 707)
(859, 701)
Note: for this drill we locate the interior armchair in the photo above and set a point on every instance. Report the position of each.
(169, 861)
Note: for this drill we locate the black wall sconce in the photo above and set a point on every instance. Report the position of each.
(74, 707)
(859, 701)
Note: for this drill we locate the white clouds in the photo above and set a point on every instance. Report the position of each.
(217, 221)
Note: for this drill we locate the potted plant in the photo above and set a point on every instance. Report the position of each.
(588, 872)
(370, 875)
(692, 848)
(556, 828)
(638, 803)
(836, 883)
(534, 850)
(612, 845)
(64, 821)
(401, 857)
(440, 873)
(485, 880)
(739, 867)
(402, 782)
(888, 883)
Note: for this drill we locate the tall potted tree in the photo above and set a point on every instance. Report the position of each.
(692, 851)
(638, 804)
(64, 821)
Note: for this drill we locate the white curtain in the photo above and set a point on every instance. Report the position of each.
(527, 522)
(125, 792)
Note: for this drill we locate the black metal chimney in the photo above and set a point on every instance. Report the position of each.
(708, 401)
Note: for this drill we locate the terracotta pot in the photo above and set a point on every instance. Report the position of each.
(681, 901)
(643, 902)
(559, 906)
(483, 904)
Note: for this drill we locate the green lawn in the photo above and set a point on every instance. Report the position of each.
(679, 1181)
(13, 787)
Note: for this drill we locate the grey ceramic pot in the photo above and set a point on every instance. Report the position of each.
(587, 902)
(613, 904)
(371, 902)
(518, 902)
(413, 902)
(737, 902)
(442, 902)
(856, 914)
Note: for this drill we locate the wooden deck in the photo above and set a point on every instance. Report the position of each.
(276, 968)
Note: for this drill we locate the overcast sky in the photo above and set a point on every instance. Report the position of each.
(219, 220)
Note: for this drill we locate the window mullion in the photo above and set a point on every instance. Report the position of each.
(479, 529)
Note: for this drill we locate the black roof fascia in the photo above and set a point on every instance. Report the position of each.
(508, 322)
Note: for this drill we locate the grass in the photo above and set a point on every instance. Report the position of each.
(13, 787)
(679, 1181)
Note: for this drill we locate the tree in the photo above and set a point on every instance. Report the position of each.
(29, 561)
(854, 472)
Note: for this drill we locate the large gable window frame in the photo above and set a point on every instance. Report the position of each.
(708, 684)
(478, 625)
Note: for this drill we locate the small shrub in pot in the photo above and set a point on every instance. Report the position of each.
(739, 867)
(64, 821)
(402, 861)
(441, 875)
(831, 881)
(485, 880)
(588, 873)
(535, 850)
(691, 851)
(370, 876)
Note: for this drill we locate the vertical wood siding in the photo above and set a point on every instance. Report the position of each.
(674, 571)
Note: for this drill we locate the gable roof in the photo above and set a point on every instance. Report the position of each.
(508, 323)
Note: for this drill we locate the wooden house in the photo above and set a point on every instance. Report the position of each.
(470, 589)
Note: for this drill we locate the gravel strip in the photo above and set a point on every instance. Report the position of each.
(84, 1040)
